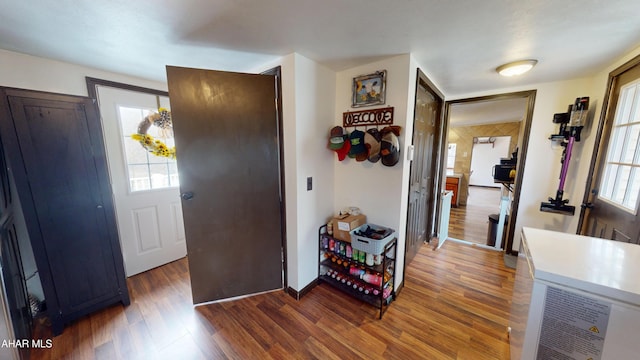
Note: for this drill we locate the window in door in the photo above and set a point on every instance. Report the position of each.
(145, 170)
(621, 175)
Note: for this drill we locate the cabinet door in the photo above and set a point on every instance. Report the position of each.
(14, 283)
(5, 189)
(62, 180)
(12, 280)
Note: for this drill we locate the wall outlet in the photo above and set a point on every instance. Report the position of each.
(309, 183)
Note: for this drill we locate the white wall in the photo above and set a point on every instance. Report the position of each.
(34, 73)
(314, 91)
(379, 191)
(308, 104)
(484, 157)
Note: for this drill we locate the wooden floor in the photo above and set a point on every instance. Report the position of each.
(454, 305)
(471, 222)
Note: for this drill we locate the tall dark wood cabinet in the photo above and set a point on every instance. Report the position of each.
(56, 155)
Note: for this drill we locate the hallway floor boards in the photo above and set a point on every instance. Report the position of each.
(471, 222)
(454, 305)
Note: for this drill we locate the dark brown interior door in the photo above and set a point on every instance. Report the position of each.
(612, 199)
(226, 134)
(422, 187)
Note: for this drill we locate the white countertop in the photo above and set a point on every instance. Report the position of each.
(605, 267)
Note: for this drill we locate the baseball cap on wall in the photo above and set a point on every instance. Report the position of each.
(343, 151)
(358, 148)
(390, 149)
(337, 137)
(372, 141)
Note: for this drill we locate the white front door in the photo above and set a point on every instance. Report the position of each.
(145, 186)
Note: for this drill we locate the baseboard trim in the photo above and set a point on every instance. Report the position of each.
(299, 294)
(400, 287)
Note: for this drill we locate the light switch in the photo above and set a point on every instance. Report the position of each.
(309, 183)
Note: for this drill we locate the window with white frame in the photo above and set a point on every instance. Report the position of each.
(620, 182)
(145, 170)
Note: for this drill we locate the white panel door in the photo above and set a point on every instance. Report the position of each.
(145, 186)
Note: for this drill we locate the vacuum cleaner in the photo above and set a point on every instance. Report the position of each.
(571, 124)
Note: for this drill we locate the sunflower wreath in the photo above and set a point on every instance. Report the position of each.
(161, 119)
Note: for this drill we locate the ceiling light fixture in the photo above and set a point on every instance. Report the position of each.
(516, 67)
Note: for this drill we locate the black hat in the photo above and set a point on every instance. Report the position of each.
(358, 149)
(372, 141)
(390, 149)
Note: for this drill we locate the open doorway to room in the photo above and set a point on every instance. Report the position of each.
(485, 139)
(484, 147)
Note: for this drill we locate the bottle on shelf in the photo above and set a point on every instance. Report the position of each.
(356, 271)
(373, 279)
(387, 276)
(386, 292)
(369, 259)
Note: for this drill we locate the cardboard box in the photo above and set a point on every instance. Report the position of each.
(341, 227)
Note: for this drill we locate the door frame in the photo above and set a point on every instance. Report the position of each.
(602, 132)
(525, 130)
(277, 72)
(437, 176)
(437, 181)
(117, 194)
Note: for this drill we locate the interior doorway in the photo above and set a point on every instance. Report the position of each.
(427, 137)
(480, 119)
(144, 186)
(471, 219)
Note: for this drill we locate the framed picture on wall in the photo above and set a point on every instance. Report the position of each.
(369, 89)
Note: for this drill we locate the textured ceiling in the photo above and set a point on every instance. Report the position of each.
(458, 43)
(487, 112)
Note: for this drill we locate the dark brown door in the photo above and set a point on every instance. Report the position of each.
(422, 186)
(613, 195)
(226, 133)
